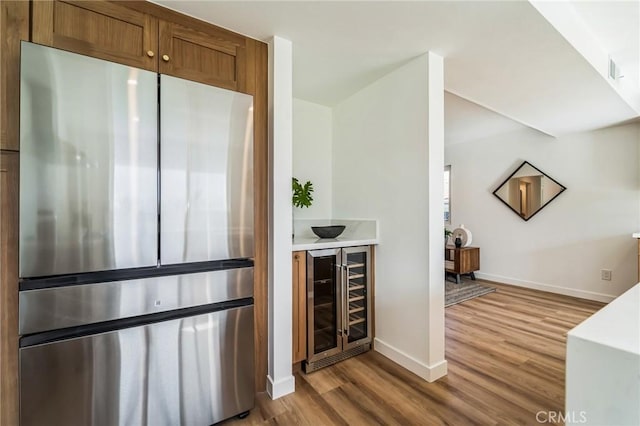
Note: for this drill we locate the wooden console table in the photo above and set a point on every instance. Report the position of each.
(460, 261)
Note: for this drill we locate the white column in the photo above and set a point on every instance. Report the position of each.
(435, 293)
(280, 381)
(388, 163)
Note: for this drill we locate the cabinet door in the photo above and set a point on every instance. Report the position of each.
(299, 307)
(14, 27)
(468, 260)
(217, 57)
(105, 30)
(9, 176)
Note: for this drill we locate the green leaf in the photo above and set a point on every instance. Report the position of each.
(301, 193)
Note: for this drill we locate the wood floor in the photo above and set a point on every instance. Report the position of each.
(506, 353)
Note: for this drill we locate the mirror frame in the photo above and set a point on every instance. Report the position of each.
(562, 189)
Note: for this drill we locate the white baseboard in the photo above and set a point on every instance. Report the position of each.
(282, 387)
(582, 294)
(429, 373)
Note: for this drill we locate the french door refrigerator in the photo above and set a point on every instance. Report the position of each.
(338, 305)
(136, 246)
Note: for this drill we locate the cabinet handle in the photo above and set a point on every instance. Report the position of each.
(165, 58)
(150, 53)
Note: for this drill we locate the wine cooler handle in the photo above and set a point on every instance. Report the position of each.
(340, 288)
(345, 299)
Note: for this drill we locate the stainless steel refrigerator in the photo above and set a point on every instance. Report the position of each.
(136, 245)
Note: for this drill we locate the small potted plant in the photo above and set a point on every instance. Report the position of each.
(302, 196)
(302, 193)
(447, 234)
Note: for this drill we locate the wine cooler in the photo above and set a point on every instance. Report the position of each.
(338, 305)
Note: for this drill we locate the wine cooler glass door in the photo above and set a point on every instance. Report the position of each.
(357, 317)
(323, 304)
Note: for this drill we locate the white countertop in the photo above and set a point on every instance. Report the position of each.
(636, 235)
(617, 325)
(325, 243)
(361, 232)
(603, 365)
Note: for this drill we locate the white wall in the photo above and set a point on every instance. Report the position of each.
(312, 144)
(382, 157)
(585, 229)
(280, 381)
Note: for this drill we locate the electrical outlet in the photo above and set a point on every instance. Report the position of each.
(605, 274)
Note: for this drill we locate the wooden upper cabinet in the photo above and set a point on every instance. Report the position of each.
(143, 35)
(14, 27)
(216, 57)
(105, 30)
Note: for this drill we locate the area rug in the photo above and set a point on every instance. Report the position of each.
(456, 293)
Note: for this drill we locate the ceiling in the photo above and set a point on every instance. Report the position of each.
(616, 25)
(502, 55)
(465, 121)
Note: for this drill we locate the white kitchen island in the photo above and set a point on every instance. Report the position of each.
(603, 365)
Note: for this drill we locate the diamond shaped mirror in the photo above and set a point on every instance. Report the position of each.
(528, 190)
